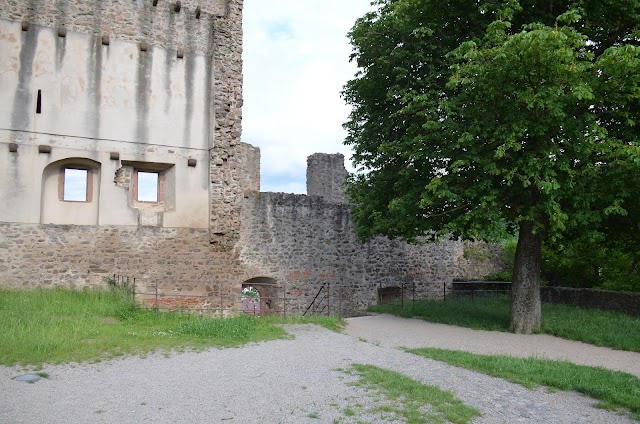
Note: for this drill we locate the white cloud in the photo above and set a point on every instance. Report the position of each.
(296, 61)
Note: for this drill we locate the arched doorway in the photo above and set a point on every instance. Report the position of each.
(260, 297)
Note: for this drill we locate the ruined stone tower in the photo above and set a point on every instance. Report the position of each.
(121, 153)
(143, 88)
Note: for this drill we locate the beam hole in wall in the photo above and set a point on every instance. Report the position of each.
(39, 102)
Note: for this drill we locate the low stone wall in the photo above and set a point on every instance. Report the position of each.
(624, 302)
(34, 255)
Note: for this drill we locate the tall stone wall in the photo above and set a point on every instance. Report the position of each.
(304, 242)
(114, 105)
(207, 35)
(227, 154)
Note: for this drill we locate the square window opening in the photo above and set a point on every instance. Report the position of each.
(75, 185)
(148, 186)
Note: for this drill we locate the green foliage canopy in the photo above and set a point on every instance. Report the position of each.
(472, 117)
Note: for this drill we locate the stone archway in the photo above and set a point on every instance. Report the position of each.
(266, 302)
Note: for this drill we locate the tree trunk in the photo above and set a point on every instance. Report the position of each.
(526, 312)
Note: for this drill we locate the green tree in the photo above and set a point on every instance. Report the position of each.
(476, 118)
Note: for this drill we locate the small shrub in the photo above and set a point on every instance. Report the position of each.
(499, 276)
(477, 252)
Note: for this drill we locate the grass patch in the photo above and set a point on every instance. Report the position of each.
(349, 412)
(59, 325)
(592, 326)
(601, 328)
(485, 314)
(413, 401)
(612, 388)
(332, 323)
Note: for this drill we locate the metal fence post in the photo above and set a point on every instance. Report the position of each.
(284, 301)
(156, 298)
(133, 295)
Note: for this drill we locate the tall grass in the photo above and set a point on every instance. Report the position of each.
(592, 326)
(55, 326)
(486, 314)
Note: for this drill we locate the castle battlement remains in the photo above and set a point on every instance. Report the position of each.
(121, 153)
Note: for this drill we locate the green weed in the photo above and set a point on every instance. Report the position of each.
(413, 401)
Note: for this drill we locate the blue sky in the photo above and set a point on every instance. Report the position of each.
(296, 61)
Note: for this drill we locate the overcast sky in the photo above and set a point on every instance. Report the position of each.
(296, 61)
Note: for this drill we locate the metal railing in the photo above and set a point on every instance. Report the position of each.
(219, 303)
(331, 298)
(476, 289)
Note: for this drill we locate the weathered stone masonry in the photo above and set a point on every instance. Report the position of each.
(298, 241)
(156, 86)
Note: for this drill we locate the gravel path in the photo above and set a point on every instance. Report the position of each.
(391, 331)
(282, 381)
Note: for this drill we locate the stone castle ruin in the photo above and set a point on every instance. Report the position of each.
(120, 153)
